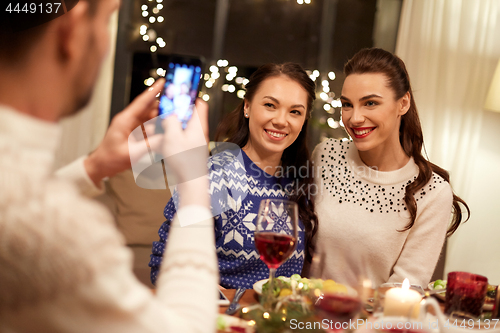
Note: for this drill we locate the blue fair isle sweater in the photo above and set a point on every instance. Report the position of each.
(237, 186)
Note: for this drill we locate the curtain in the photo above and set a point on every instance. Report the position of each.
(450, 48)
(84, 131)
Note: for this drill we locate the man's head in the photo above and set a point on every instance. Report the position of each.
(64, 54)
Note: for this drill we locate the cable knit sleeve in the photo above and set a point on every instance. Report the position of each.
(422, 248)
(76, 173)
(67, 270)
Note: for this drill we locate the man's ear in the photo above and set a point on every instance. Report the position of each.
(73, 30)
(404, 103)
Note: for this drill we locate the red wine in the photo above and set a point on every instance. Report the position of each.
(338, 308)
(274, 249)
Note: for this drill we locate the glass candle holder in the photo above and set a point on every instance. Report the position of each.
(465, 294)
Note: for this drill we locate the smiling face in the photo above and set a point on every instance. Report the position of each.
(276, 114)
(371, 113)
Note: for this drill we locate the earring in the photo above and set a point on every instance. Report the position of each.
(246, 115)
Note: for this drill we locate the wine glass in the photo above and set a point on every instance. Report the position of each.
(275, 237)
(339, 301)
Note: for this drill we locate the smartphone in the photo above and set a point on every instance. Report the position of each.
(223, 299)
(183, 76)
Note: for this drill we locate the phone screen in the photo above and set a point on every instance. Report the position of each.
(183, 76)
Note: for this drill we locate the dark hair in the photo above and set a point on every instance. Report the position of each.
(375, 60)
(20, 31)
(234, 128)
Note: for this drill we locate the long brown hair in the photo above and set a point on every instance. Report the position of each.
(234, 128)
(375, 60)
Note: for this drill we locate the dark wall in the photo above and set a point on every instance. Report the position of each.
(257, 32)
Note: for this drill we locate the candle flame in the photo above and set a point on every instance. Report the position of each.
(406, 284)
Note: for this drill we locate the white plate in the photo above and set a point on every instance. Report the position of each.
(257, 286)
(442, 296)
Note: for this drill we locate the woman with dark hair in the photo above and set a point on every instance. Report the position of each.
(378, 191)
(268, 158)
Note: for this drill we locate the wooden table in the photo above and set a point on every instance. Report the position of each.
(250, 297)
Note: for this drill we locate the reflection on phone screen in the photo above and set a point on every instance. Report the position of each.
(180, 91)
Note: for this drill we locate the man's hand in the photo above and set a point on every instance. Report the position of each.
(185, 153)
(178, 141)
(112, 155)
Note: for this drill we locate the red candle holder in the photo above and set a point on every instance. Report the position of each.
(465, 294)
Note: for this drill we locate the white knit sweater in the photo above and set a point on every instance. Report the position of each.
(360, 211)
(64, 266)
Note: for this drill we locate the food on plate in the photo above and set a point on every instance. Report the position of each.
(230, 324)
(439, 284)
(284, 286)
(491, 293)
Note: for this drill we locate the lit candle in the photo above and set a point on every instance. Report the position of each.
(400, 301)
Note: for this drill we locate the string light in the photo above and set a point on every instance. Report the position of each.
(150, 35)
(331, 76)
(332, 123)
(206, 97)
(241, 94)
(336, 103)
(222, 63)
(149, 82)
(160, 42)
(231, 88)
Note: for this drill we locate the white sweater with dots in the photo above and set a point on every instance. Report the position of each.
(360, 211)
